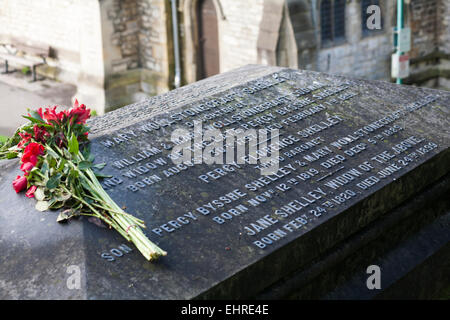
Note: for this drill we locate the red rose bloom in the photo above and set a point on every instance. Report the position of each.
(39, 111)
(26, 137)
(20, 183)
(40, 133)
(51, 115)
(30, 192)
(79, 113)
(31, 153)
(26, 167)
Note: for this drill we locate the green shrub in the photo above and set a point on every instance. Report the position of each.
(26, 70)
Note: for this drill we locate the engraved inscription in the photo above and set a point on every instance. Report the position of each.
(328, 160)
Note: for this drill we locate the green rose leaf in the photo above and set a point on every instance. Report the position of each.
(86, 185)
(99, 166)
(44, 168)
(91, 157)
(67, 154)
(74, 147)
(63, 197)
(83, 165)
(62, 164)
(36, 118)
(42, 205)
(33, 119)
(73, 175)
(11, 155)
(101, 175)
(39, 194)
(63, 216)
(36, 115)
(57, 205)
(86, 152)
(52, 153)
(54, 181)
(52, 164)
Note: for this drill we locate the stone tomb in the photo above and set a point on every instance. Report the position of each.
(362, 181)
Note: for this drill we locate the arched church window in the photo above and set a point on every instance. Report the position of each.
(332, 22)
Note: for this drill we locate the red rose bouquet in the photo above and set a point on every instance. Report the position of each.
(59, 172)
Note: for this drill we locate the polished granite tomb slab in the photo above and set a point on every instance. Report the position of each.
(354, 155)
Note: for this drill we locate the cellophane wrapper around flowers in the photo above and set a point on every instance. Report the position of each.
(59, 172)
